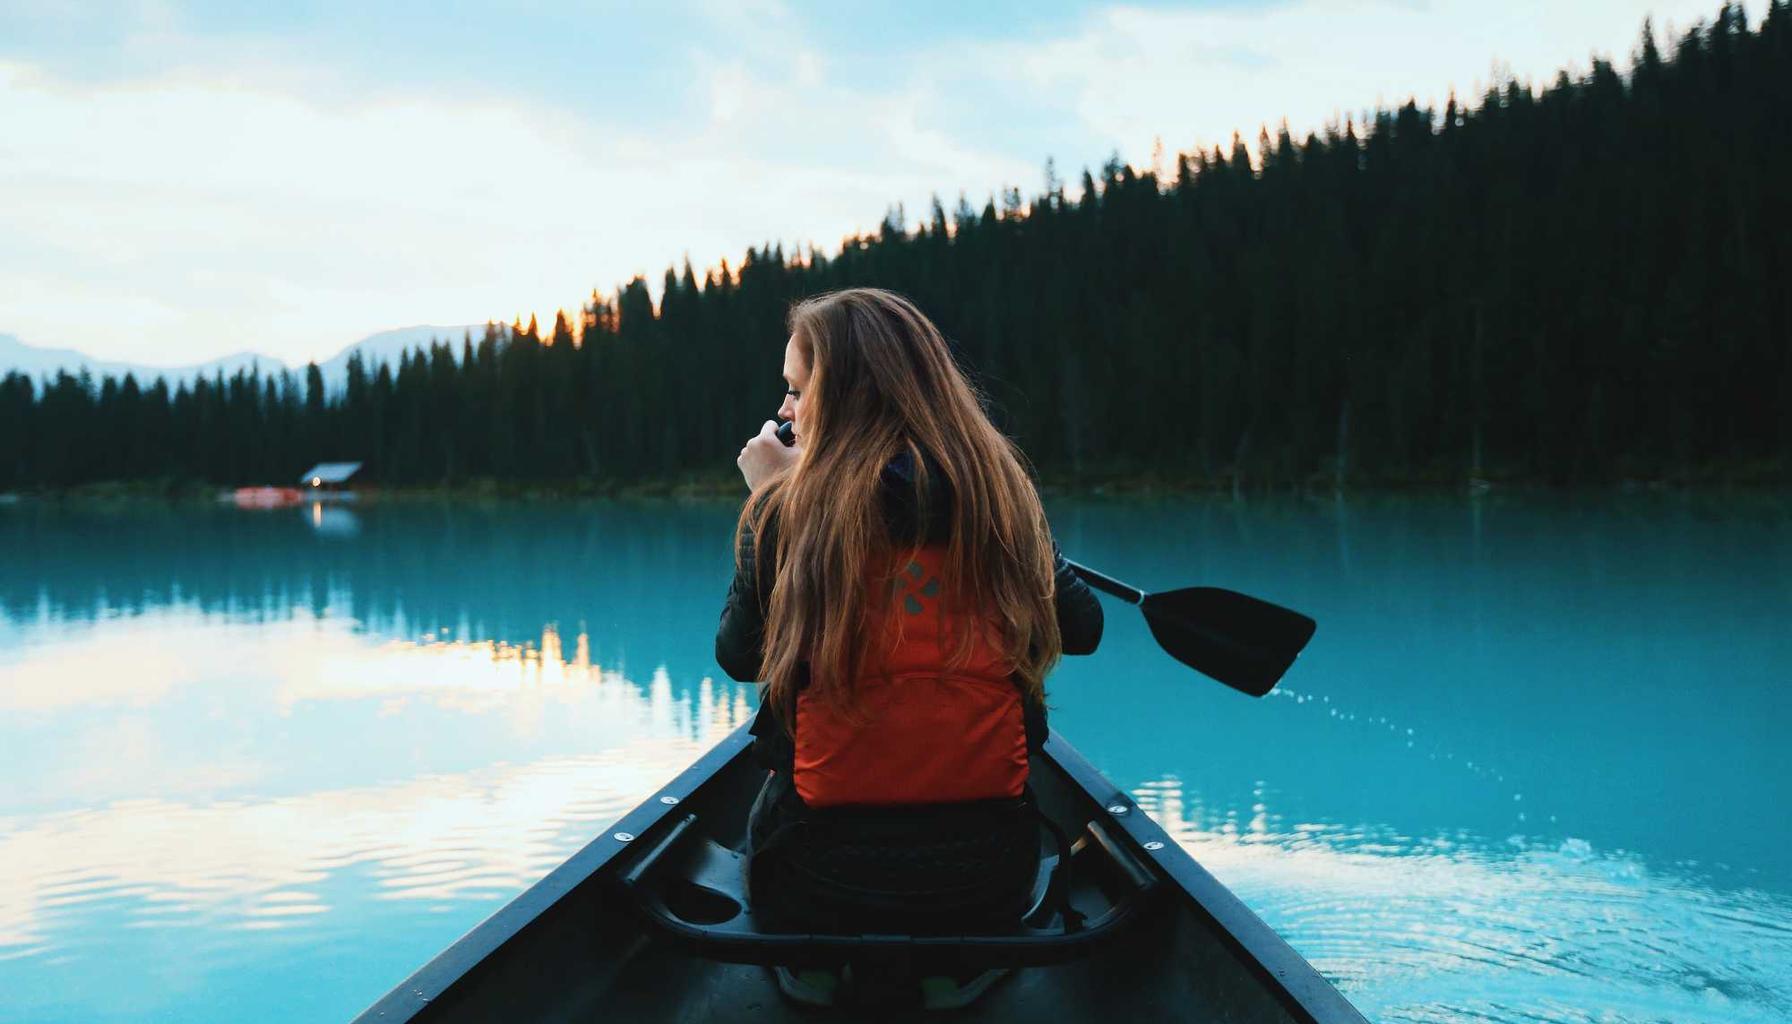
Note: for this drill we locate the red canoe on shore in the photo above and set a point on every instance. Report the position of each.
(267, 497)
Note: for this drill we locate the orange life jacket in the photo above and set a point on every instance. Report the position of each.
(920, 731)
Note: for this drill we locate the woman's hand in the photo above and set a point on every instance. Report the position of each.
(764, 456)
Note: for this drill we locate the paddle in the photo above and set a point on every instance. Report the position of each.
(1234, 638)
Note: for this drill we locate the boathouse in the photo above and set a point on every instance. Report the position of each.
(328, 477)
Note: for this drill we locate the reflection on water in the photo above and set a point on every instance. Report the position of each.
(1531, 768)
(1439, 931)
(293, 754)
(185, 838)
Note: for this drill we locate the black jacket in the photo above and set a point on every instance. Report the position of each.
(740, 637)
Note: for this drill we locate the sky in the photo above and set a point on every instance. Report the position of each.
(183, 181)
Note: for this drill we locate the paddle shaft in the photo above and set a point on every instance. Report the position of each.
(1239, 640)
(1107, 584)
(1236, 639)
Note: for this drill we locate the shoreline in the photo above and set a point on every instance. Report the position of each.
(729, 489)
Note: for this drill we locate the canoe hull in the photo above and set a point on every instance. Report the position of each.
(570, 949)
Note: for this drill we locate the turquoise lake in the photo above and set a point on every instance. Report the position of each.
(1533, 766)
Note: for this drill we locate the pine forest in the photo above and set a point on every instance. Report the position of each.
(1586, 281)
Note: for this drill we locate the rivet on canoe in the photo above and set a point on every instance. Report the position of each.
(668, 800)
(1116, 808)
(1154, 845)
(624, 837)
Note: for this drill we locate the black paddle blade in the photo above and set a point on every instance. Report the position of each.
(1235, 638)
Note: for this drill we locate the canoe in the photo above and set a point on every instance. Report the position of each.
(649, 923)
(266, 497)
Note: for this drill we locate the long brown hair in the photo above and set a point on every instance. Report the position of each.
(882, 382)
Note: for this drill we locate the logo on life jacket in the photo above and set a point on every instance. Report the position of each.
(909, 583)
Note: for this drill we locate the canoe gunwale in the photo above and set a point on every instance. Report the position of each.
(463, 957)
(1283, 972)
(1298, 984)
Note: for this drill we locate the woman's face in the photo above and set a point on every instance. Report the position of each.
(796, 382)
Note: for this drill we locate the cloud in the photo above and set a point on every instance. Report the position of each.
(188, 215)
(250, 189)
(1193, 77)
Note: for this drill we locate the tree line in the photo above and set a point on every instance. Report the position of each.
(1585, 281)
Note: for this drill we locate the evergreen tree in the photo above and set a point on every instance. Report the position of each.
(1577, 282)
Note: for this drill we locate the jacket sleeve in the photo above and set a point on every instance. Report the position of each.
(1079, 611)
(740, 637)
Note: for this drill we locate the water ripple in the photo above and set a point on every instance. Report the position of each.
(1444, 930)
(296, 862)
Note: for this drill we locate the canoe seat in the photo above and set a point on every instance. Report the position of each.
(692, 889)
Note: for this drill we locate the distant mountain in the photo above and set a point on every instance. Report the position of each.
(384, 347)
(389, 346)
(44, 362)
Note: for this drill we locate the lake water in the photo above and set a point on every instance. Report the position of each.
(1533, 766)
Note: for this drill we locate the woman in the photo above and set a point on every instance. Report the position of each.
(899, 592)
